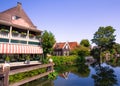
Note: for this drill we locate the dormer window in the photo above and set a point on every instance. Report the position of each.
(15, 17)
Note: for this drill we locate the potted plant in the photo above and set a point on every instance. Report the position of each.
(4, 30)
(31, 35)
(7, 59)
(15, 32)
(28, 59)
(23, 34)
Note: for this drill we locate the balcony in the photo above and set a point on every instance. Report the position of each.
(4, 35)
(22, 36)
(34, 38)
(19, 36)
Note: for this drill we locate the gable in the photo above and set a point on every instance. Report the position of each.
(59, 45)
(16, 15)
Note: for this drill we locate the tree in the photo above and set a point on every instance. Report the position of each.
(104, 37)
(85, 42)
(48, 40)
(117, 48)
(81, 51)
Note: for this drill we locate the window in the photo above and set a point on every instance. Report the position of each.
(15, 17)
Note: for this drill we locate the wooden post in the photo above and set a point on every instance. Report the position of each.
(6, 77)
(6, 69)
(52, 67)
(1, 79)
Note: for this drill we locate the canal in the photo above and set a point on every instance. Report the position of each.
(83, 75)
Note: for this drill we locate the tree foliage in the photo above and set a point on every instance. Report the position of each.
(117, 48)
(104, 37)
(81, 51)
(48, 40)
(85, 42)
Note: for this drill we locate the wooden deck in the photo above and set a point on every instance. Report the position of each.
(29, 68)
(25, 68)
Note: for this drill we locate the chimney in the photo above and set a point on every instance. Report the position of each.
(19, 4)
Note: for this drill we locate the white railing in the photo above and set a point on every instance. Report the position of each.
(18, 37)
(21, 37)
(3, 35)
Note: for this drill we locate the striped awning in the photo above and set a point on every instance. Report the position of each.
(6, 48)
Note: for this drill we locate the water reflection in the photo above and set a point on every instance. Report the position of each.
(95, 75)
(83, 70)
(104, 76)
(40, 82)
(64, 75)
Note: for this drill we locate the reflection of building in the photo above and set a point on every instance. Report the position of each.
(64, 48)
(64, 75)
(18, 35)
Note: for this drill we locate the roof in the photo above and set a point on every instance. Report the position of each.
(21, 17)
(61, 45)
(73, 45)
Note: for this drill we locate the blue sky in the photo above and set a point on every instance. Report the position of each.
(71, 20)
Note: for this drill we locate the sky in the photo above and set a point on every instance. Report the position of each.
(70, 20)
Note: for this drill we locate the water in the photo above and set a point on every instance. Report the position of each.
(83, 75)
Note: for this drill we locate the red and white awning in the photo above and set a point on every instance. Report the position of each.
(6, 48)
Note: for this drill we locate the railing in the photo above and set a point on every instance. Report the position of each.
(3, 35)
(4, 73)
(18, 37)
(23, 37)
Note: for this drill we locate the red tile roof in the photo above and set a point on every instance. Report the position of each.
(59, 45)
(73, 45)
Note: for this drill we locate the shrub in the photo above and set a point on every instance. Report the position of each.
(60, 60)
(21, 76)
(52, 75)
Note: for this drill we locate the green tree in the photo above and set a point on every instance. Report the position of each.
(104, 37)
(81, 51)
(95, 52)
(48, 40)
(117, 48)
(85, 42)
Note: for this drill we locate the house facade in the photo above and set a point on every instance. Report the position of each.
(64, 48)
(18, 35)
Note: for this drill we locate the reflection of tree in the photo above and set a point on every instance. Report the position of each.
(104, 76)
(83, 70)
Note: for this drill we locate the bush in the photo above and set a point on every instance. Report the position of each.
(21, 76)
(81, 51)
(60, 60)
(52, 75)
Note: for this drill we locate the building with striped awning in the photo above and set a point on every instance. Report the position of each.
(18, 35)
